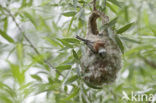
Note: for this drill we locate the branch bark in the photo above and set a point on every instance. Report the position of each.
(94, 4)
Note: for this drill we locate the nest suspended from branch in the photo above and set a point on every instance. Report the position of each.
(97, 70)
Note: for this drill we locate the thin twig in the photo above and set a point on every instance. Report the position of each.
(20, 29)
(150, 63)
(94, 4)
(147, 61)
(105, 4)
(39, 47)
(27, 39)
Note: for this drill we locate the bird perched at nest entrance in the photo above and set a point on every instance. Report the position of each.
(96, 47)
(101, 59)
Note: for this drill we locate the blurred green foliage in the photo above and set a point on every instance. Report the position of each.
(53, 75)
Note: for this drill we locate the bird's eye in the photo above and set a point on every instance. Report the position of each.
(102, 52)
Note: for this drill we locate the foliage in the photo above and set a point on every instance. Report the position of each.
(39, 54)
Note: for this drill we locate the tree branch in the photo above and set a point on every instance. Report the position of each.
(94, 4)
(149, 62)
(27, 39)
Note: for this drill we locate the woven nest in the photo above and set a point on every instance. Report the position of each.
(96, 70)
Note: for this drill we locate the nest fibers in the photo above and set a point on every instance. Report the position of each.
(97, 70)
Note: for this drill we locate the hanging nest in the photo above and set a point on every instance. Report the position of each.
(95, 69)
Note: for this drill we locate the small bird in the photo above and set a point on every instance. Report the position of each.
(96, 47)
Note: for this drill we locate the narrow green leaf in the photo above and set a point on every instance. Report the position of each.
(69, 13)
(5, 99)
(5, 24)
(71, 79)
(84, 98)
(25, 85)
(71, 40)
(68, 60)
(37, 58)
(4, 35)
(124, 28)
(126, 13)
(81, 15)
(56, 5)
(65, 43)
(30, 3)
(36, 77)
(44, 24)
(53, 42)
(92, 86)
(130, 40)
(153, 30)
(59, 57)
(9, 90)
(119, 4)
(19, 49)
(32, 20)
(146, 18)
(17, 73)
(120, 44)
(24, 3)
(112, 22)
(111, 7)
(81, 23)
(10, 52)
(55, 26)
(73, 94)
(71, 21)
(27, 89)
(82, 1)
(63, 67)
(111, 34)
(75, 54)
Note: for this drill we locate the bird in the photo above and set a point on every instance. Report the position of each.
(97, 47)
